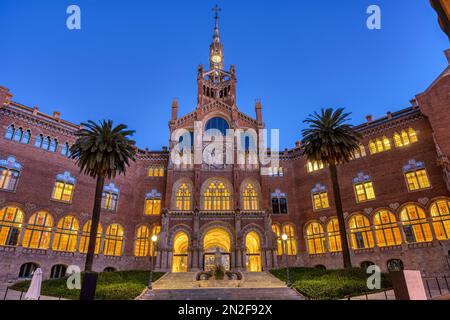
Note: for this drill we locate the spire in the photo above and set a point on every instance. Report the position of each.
(216, 37)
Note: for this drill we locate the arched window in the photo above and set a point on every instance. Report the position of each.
(65, 149)
(85, 236)
(315, 238)
(11, 220)
(38, 141)
(156, 171)
(109, 269)
(153, 203)
(386, 229)
(276, 229)
(217, 197)
(183, 198)
(153, 246)
(26, 137)
(113, 240)
(366, 264)
(9, 134)
(440, 213)
(250, 198)
(53, 145)
(361, 233)
(9, 173)
(215, 124)
(27, 269)
(291, 242)
(66, 235)
(180, 252)
(395, 265)
(38, 231)
(18, 135)
(334, 236)
(142, 244)
(58, 271)
(64, 186)
(313, 166)
(415, 224)
(405, 138)
(46, 143)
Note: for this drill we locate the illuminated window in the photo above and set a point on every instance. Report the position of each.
(144, 244)
(320, 201)
(109, 201)
(386, 229)
(276, 229)
(361, 232)
(180, 252)
(113, 240)
(62, 191)
(334, 236)
(11, 220)
(250, 198)
(291, 242)
(315, 237)
(156, 172)
(155, 232)
(86, 235)
(417, 180)
(217, 197)
(66, 235)
(405, 138)
(38, 231)
(379, 145)
(360, 152)
(313, 166)
(415, 224)
(440, 213)
(279, 203)
(364, 191)
(8, 179)
(183, 198)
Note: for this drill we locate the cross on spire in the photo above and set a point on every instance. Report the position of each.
(216, 10)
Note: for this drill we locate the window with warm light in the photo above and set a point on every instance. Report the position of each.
(415, 224)
(109, 201)
(313, 166)
(277, 230)
(334, 236)
(217, 197)
(86, 235)
(360, 152)
(250, 198)
(183, 198)
(387, 231)
(440, 214)
(62, 191)
(142, 242)
(364, 191)
(180, 252)
(361, 232)
(8, 179)
(379, 145)
(417, 180)
(11, 221)
(320, 201)
(113, 240)
(38, 231)
(291, 242)
(315, 237)
(66, 235)
(405, 138)
(156, 172)
(152, 207)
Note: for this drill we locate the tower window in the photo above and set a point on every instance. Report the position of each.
(215, 124)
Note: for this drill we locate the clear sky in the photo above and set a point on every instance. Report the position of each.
(132, 57)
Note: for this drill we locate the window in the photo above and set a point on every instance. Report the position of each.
(58, 271)
(360, 152)
(8, 179)
(11, 220)
(405, 138)
(183, 198)
(156, 172)
(26, 137)
(313, 166)
(379, 145)
(113, 240)
(9, 134)
(62, 191)
(53, 145)
(66, 235)
(152, 207)
(395, 265)
(417, 180)
(143, 240)
(315, 238)
(38, 231)
(366, 264)
(155, 232)
(279, 203)
(85, 236)
(415, 224)
(65, 150)
(291, 242)
(109, 201)
(27, 270)
(320, 201)
(386, 229)
(364, 191)
(275, 171)
(250, 198)
(440, 214)
(217, 124)
(334, 236)
(277, 231)
(360, 232)
(18, 135)
(217, 197)
(38, 141)
(45, 143)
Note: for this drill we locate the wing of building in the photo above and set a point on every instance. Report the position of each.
(395, 193)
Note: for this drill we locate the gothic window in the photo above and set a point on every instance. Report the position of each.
(66, 235)
(360, 152)
(113, 240)
(379, 145)
(361, 232)
(291, 242)
(39, 140)
(315, 237)
(334, 236)
(11, 220)
(53, 145)
(216, 124)
(110, 197)
(27, 270)
(64, 186)
(58, 271)
(85, 236)
(8, 179)
(217, 197)
(416, 176)
(38, 231)
(9, 134)
(279, 203)
(250, 198)
(183, 198)
(142, 243)
(157, 171)
(313, 166)
(386, 229)
(152, 203)
(26, 137)
(153, 246)
(180, 252)
(18, 135)
(405, 138)
(440, 213)
(276, 229)
(275, 171)
(415, 224)
(46, 143)
(65, 149)
(363, 187)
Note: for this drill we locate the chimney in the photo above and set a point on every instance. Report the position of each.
(164, 149)
(298, 144)
(35, 110)
(57, 115)
(389, 115)
(258, 109)
(369, 118)
(174, 109)
(5, 96)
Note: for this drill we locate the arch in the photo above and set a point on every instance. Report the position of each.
(386, 229)
(66, 234)
(113, 240)
(85, 236)
(334, 235)
(182, 198)
(366, 264)
(290, 245)
(217, 195)
(253, 252)
(415, 224)
(38, 231)
(110, 269)
(180, 252)
(58, 271)
(27, 269)
(315, 237)
(440, 215)
(217, 238)
(250, 193)
(11, 221)
(217, 123)
(360, 232)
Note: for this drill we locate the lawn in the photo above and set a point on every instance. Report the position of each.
(330, 284)
(121, 285)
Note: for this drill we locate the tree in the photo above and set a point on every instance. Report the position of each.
(333, 141)
(101, 151)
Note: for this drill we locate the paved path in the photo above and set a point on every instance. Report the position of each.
(16, 295)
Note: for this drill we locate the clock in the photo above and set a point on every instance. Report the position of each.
(216, 58)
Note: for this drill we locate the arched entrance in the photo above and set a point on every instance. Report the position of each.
(180, 252)
(253, 252)
(216, 245)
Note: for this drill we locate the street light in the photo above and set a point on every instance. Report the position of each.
(152, 252)
(284, 237)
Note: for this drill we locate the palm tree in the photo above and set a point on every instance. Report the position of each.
(101, 151)
(333, 141)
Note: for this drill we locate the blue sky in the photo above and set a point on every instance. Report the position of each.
(132, 57)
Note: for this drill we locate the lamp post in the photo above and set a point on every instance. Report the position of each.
(152, 252)
(284, 237)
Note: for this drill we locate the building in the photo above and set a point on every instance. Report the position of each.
(395, 193)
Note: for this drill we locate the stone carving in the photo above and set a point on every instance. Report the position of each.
(368, 210)
(323, 219)
(30, 206)
(394, 206)
(423, 201)
(345, 215)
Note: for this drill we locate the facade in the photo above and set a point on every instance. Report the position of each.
(395, 193)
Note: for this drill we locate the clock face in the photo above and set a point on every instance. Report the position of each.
(216, 58)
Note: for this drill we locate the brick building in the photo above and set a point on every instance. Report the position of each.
(395, 192)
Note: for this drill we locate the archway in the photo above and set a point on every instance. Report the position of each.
(216, 245)
(180, 252)
(253, 252)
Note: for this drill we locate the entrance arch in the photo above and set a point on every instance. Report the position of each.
(216, 245)
(253, 252)
(180, 252)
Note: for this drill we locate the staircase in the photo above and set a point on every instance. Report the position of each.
(254, 286)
